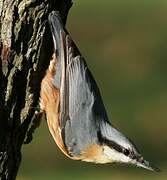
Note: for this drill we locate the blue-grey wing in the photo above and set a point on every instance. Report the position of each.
(85, 106)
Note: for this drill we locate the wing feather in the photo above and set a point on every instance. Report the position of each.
(85, 105)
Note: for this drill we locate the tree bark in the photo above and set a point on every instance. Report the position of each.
(25, 50)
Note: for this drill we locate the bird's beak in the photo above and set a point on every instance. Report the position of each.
(146, 165)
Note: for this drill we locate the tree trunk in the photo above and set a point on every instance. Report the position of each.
(25, 51)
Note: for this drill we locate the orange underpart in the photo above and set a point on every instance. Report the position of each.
(49, 102)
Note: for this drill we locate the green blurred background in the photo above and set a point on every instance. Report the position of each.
(125, 45)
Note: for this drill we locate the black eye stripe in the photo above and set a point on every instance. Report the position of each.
(110, 143)
(119, 148)
(113, 145)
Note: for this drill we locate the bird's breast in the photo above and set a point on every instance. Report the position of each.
(49, 102)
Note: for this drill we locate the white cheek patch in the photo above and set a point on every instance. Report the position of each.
(115, 156)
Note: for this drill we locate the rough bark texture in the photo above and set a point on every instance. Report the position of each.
(25, 51)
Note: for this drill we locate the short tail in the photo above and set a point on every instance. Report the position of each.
(57, 29)
(59, 34)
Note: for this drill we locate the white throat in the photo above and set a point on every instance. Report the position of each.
(115, 156)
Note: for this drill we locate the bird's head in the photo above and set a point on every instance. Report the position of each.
(118, 148)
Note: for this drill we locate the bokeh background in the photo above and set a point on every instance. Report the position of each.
(125, 45)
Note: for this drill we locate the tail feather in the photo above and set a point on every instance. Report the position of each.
(57, 28)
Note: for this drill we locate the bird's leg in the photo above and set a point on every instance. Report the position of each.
(35, 123)
(44, 100)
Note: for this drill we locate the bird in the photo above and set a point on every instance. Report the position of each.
(75, 112)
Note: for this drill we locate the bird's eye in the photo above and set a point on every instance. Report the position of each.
(126, 152)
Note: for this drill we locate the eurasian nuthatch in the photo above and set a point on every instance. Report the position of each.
(75, 112)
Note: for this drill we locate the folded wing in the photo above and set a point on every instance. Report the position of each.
(81, 106)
